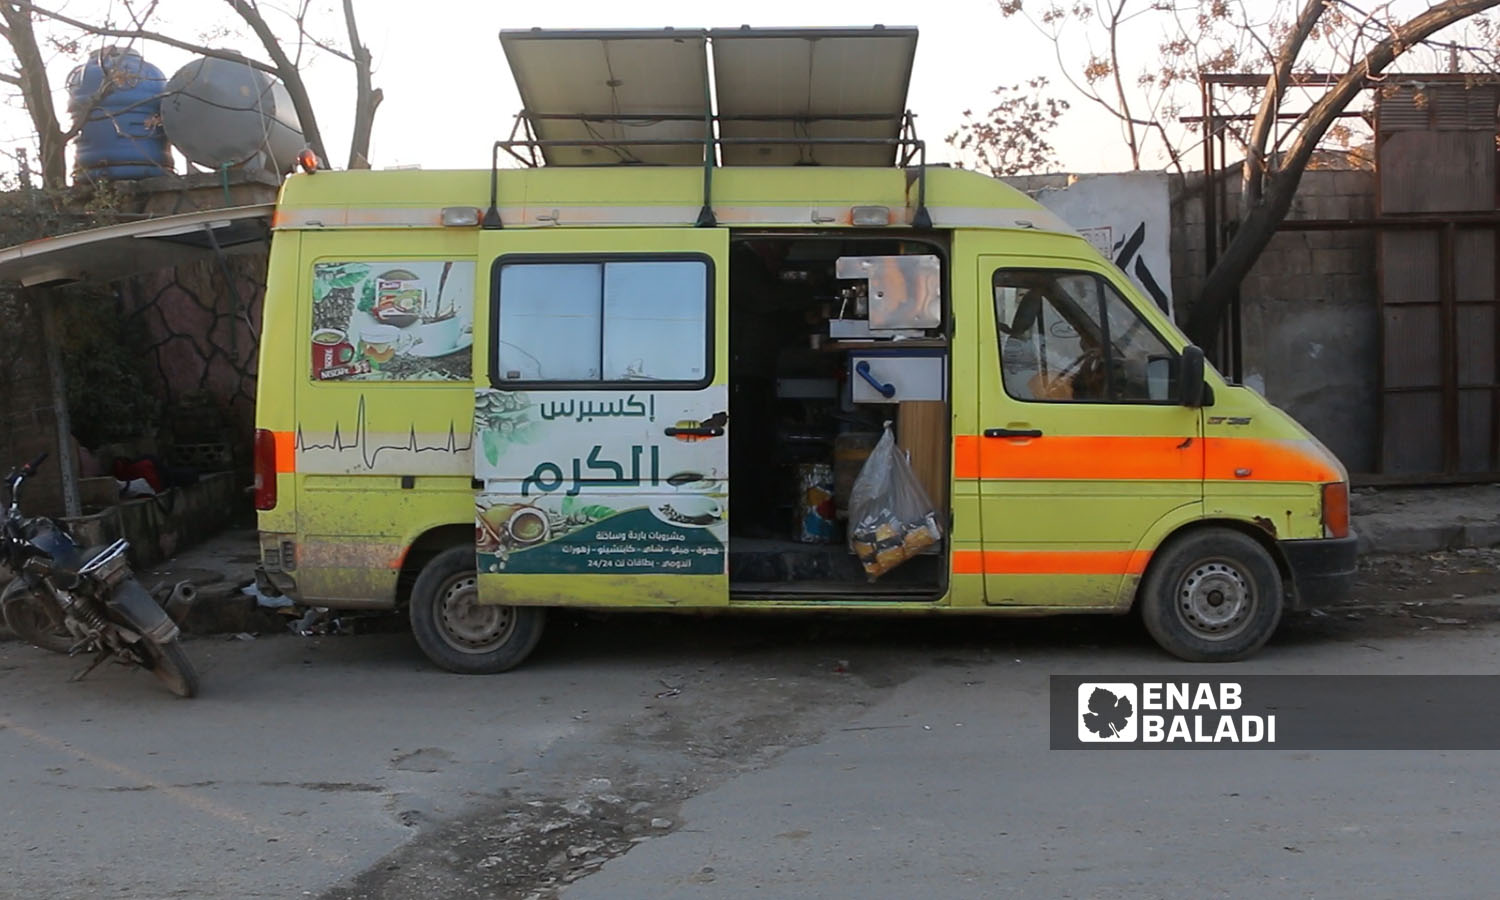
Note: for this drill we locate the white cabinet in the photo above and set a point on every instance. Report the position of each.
(908, 375)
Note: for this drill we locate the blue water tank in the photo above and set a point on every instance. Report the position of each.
(117, 96)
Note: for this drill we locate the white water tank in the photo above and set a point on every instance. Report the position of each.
(222, 113)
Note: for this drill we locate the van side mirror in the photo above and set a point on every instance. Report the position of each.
(1190, 377)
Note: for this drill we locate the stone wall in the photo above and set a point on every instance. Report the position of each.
(202, 344)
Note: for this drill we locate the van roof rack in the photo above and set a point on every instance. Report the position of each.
(779, 96)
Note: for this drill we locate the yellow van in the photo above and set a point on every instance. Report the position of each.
(650, 386)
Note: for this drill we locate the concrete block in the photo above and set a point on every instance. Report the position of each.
(1293, 261)
(1355, 182)
(1397, 534)
(1331, 206)
(1481, 534)
(97, 493)
(1342, 261)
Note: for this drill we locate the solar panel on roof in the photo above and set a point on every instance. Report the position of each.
(614, 87)
(782, 96)
(812, 83)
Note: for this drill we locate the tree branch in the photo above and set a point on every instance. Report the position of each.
(1260, 223)
(36, 92)
(287, 70)
(1114, 64)
(1253, 173)
(142, 34)
(366, 97)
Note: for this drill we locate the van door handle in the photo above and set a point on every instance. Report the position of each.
(1012, 432)
(693, 432)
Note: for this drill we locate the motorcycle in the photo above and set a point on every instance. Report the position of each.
(68, 601)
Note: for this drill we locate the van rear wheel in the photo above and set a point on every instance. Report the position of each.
(458, 632)
(1213, 595)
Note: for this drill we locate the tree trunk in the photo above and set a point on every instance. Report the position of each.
(36, 91)
(366, 98)
(1254, 172)
(1261, 221)
(291, 79)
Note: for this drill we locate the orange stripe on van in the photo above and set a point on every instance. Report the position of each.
(286, 451)
(1050, 562)
(1127, 458)
(1251, 459)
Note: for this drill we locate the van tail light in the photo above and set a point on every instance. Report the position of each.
(264, 467)
(1336, 509)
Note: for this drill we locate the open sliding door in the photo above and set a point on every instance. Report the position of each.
(601, 457)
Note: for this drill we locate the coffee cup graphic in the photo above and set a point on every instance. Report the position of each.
(438, 337)
(378, 343)
(528, 525)
(330, 348)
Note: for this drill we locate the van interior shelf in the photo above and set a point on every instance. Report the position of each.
(908, 343)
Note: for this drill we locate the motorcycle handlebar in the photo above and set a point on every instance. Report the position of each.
(16, 476)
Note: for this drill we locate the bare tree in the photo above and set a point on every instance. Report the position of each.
(1275, 187)
(1280, 126)
(1011, 139)
(30, 74)
(286, 69)
(366, 98)
(1254, 169)
(1107, 30)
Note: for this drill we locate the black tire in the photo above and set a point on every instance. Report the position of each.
(171, 665)
(1212, 595)
(31, 617)
(460, 634)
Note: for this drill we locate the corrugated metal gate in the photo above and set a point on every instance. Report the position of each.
(1436, 160)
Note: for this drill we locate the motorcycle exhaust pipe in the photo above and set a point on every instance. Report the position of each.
(180, 601)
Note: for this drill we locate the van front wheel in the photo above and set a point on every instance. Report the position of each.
(458, 632)
(1213, 595)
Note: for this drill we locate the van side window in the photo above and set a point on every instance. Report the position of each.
(583, 321)
(1070, 336)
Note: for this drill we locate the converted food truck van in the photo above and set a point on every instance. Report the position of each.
(646, 374)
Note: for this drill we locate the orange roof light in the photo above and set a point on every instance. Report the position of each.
(308, 160)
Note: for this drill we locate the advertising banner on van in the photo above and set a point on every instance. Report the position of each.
(393, 320)
(601, 482)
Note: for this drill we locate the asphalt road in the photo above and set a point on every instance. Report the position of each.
(681, 758)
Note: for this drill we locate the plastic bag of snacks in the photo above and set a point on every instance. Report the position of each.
(815, 503)
(891, 518)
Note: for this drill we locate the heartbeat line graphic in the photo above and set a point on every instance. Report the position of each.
(369, 454)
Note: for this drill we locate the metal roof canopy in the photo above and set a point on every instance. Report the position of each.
(785, 96)
(613, 87)
(820, 83)
(109, 254)
(118, 251)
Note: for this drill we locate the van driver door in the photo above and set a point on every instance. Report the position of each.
(601, 457)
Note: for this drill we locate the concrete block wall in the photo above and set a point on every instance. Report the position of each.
(1308, 310)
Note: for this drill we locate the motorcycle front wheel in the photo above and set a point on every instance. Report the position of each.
(171, 665)
(30, 616)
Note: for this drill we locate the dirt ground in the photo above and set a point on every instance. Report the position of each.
(532, 847)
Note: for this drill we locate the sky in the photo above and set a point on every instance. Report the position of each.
(449, 94)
